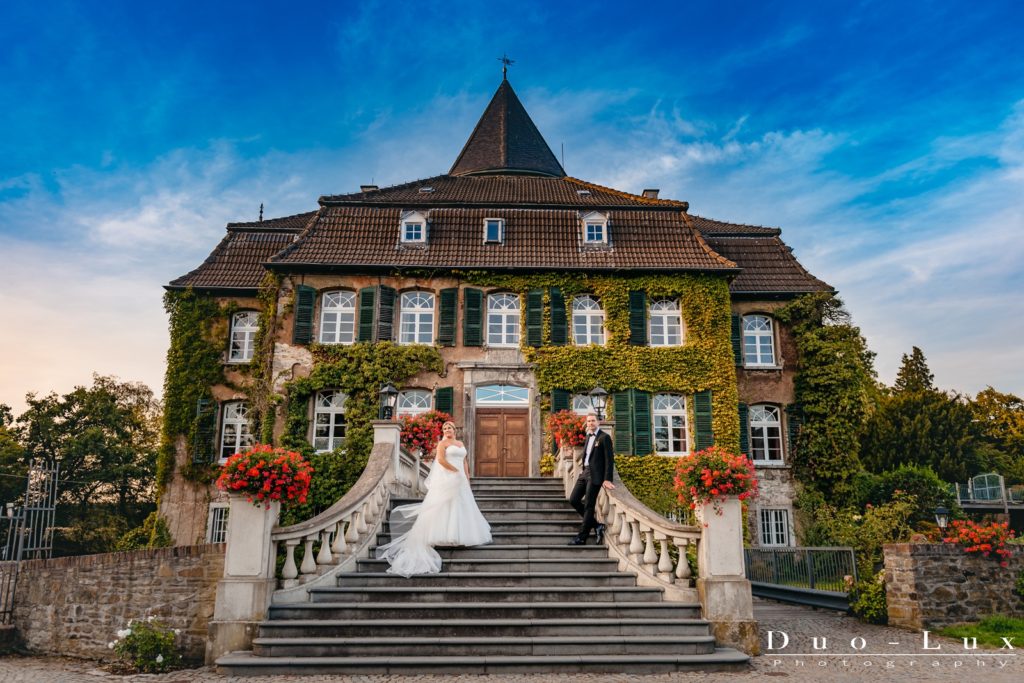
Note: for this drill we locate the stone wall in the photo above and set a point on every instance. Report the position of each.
(932, 585)
(75, 605)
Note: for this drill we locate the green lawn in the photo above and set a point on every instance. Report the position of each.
(990, 631)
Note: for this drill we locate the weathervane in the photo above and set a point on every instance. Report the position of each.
(505, 61)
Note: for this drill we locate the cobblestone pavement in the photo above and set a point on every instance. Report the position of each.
(883, 654)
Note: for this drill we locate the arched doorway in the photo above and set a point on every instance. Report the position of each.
(502, 431)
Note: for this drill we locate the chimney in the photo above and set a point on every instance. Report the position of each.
(368, 188)
(650, 194)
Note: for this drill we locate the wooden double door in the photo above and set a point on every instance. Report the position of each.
(502, 442)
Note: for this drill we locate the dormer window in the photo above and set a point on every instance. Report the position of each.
(595, 229)
(494, 230)
(413, 227)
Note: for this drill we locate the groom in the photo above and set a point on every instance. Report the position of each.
(598, 465)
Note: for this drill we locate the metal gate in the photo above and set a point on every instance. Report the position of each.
(808, 576)
(29, 529)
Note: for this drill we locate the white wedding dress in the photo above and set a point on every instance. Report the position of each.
(448, 515)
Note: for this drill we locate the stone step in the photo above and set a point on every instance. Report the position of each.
(502, 514)
(486, 627)
(515, 537)
(537, 646)
(512, 503)
(520, 551)
(534, 578)
(478, 610)
(504, 526)
(450, 594)
(504, 564)
(552, 489)
(247, 664)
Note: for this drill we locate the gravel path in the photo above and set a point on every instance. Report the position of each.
(878, 653)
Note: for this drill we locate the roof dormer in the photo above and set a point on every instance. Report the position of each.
(594, 228)
(413, 227)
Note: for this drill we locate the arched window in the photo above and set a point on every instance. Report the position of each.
(243, 336)
(581, 404)
(765, 434)
(758, 340)
(666, 323)
(414, 402)
(501, 395)
(669, 413)
(338, 318)
(417, 319)
(328, 420)
(235, 432)
(503, 320)
(587, 320)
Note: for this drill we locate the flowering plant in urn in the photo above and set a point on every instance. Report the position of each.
(708, 476)
(266, 474)
(423, 431)
(567, 428)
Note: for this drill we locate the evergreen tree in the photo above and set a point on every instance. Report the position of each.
(914, 375)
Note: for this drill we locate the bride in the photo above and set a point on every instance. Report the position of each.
(448, 514)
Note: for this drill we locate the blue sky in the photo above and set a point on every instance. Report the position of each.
(886, 139)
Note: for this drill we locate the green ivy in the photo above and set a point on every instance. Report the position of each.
(262, 400)
(198, 337)
(649, 478)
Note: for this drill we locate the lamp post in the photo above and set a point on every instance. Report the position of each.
(598, 401)
(942, 518)
(388, 399)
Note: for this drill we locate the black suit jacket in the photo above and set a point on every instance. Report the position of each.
(602, 459)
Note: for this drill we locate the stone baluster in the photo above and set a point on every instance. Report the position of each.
(290, 571)
(616, 518)
(361, 519)
(650, 556)
(308, 563)
(636, 544)
(352, 535)
(664, 559)
(339, 547)
(324, 556)
(624, 531)
(683, 572)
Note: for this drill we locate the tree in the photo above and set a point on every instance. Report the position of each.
(1001, 420)
(834, 383)
(104, 436)
(914, 375)
(12, 459)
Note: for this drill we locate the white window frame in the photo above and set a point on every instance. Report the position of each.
(501, 395)
(334, 414)
(217, 523)
(235, 430)
(508, 319)
(243, 336)
(337, 310)
(668, 413)
(758, 341)
(595, 228)
(581, 404)
(416, 318)
(501, 230)
(590, 318)
(774, 529)
(661, 322)
(759, 428)
(414, 402)
(413, 227)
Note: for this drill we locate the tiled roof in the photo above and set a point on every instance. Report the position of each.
(295, 223)
(237, 262)
(506, 140)
(356, 236)
(500, 190)
(709, 227)
(768, 266)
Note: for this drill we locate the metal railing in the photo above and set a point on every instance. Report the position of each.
(810, 576)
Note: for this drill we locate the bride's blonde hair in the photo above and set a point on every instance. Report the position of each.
(449, 422)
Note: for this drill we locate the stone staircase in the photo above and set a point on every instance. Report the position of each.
(528, 603)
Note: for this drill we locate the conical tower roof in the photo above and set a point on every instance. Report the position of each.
(506, 141)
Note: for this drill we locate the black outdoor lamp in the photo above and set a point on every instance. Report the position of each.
(941, 517)
(598, 401)
(388, 399)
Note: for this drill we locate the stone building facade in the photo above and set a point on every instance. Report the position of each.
(469, 263)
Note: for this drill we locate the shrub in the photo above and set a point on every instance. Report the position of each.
(547, 465)
(153, 533)
(984, 539)
(919, 481)
(867, 600)
(708, 476)
(147, 645)
(423, 431)
(264, 473)
(567, 428)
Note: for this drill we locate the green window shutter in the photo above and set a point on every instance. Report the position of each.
(204, 445)
(637, 318)
(386, 313)
(535, 317)
(622, 409)
(794, 421)
(444, 400)
(642, 444)
(704, 435)
(744, 430)
(472, 318)
(737, 340)
(305, 302)
(559, 323)
(560, 400)
(367, 307)
(446, 326)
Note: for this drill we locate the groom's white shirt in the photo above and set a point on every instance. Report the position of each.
(591, 440)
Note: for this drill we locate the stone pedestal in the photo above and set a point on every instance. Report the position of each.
(243, 595)
(722, 585)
